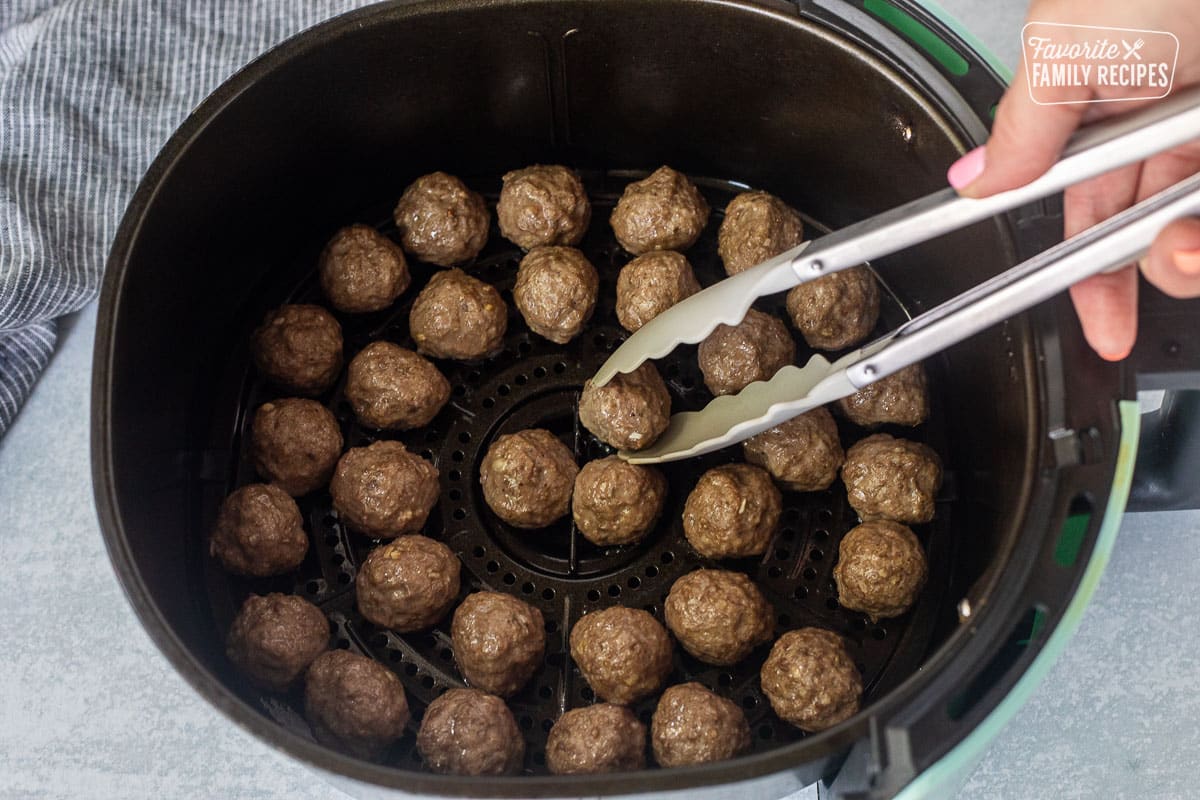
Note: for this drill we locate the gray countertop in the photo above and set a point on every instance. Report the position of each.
(90, 709)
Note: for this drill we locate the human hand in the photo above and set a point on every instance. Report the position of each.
(1028, 138)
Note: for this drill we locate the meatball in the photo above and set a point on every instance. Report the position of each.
(889, 478)
(803, 453)
(616, 502)
(354, 704)
(441, 221)
(836, 311)
(623, 653)
(259, 532)
(556, 292)
(498, 640)
(362, 270)
(469, 732)
(393, 388)
(295, 444)
(408, 584)
(901, 398)
(594, 739)
(383, 490)
(691, 725)
(299, 347)
(757, 226)
(718, 616)
(662, 212)
(733, 357)
(732, 512)
(527, 478)
(811, 680)
(274, 638)
(629, 412)
(457, 316)
(881, 569)
(543, 205)
(650, 284)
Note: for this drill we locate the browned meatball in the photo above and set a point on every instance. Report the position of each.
(469, 732)
(803, 453)
(629, 412)
(732, 512)
(527, 478)
(650, 284)
(901, 398)
(354, 704)
(594, 739)
(393, 388)
(691, 725)
(442, 221)
(757, 226)
(836, 311)
(295, 444)
(259, 532)
(733, 357)
(362, 270)
(616, 502)
(888, 478)
(718, 616)
(623, 653)
(299, 347)
(274, 638)
(383, 490)
(499, 642)
(664, 211)
(408, 584)
(543, 205)
(457, 316)
(881, 569)
(811, 680)
(556, 292)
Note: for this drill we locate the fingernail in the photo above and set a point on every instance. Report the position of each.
(1187, 261)
(1110, 354)
(962, 173)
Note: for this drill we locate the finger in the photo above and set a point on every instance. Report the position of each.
(1166, 169)
(1026, 139)
(1107, 308)
(1106, 304)
(1097, 199)
(1173, 263)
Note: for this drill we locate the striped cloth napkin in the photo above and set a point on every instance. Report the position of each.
(89, 92)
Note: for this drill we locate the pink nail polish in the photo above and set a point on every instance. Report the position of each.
(1187, 261)
(962, 173)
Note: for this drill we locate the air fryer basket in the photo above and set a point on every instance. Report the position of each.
(535, 383)
(814, 103)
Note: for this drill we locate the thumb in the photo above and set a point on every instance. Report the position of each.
(1027, 138)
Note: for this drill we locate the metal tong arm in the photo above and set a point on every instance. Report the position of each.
(1092, 151)
(1118, 240)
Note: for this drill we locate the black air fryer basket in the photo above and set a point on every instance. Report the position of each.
(829, 105)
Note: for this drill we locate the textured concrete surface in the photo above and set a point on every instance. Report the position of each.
(89, 709)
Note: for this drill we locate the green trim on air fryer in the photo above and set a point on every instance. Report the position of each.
(960, 30)
(948, 773)
(919, 34)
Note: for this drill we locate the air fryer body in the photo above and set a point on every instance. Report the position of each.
(822, 106)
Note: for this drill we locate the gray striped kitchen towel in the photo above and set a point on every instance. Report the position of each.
(89, 92)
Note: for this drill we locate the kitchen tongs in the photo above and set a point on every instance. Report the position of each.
(1118, 240)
